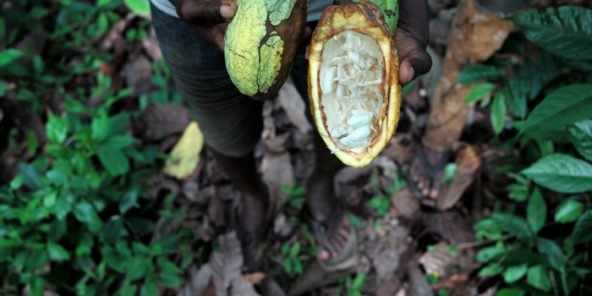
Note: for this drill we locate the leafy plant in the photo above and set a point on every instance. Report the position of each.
(292, 258)
(77, 219)
(525, 248)
(353, 285)
(381, 202)
(296, 194)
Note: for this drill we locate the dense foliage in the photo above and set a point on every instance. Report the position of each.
(539, 89)
(77, 218)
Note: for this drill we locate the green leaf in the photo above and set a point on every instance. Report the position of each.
(57, 129)
(561, 173)
(127, 289)
(498, 113)
(3, 88)
(510, 292)
(57, 230)
(287, 263)
(513, 224)
(128, 201)
(85, 213)
(490, 253)
(10, 55)
(359, 281)
(582, 231)
(559, 109)
(141, 7)
(170, 274)
(568, 211)
(112, 157)
(2, 29)
(57, 252)
(519, 191)
(538, 277)
(104, 128)
(479, 73)
(17, 182)
(565, 31)
(552, 251)
(168, 266)
(381, 204)
(487, 229)
(149, 288)
(581, 137)
(515, 273)
(491, 270)
(527, 80)
(36, 286)
(536, 212)
(295, 250)
(63, 205)
(171, 280)
(112, 230)
(137, 267)
(101, 270)
(298, 266)
(479, 92)
(519, 255)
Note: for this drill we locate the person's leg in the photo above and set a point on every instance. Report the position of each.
(448, 110)
(253, 211)
(231, 123)
(332, 229)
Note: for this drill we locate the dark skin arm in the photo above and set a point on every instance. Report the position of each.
(211, 17)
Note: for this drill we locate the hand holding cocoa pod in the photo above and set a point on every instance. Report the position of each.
(210, 17)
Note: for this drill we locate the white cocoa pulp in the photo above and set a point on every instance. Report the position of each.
(351, 78)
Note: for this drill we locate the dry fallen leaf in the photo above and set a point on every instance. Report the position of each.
(418, 284)
(405, 204)
(277, 171)
(184, 158)
(468, 163)
(242, 287)
(293, 104)
(226, 263)
(161, 121)
(198, 282)
(137, 72)
(255, 278)
(386, 248)
(451, 226)
(438, 260)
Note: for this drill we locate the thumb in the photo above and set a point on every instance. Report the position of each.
(207, 13)
(414, 58)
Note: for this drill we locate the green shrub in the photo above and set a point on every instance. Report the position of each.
(77, 218)
(528, 250)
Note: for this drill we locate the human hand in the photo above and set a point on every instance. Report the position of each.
(209, 17)
(412, 40)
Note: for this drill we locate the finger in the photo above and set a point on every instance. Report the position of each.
(414, 58)
(306, 33)
(207, 13)
(412, 39)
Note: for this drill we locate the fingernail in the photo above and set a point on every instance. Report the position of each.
(226, 11)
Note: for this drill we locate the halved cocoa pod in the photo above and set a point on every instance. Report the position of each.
(354, 89)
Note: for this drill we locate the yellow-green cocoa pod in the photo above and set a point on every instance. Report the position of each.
(261, 43)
